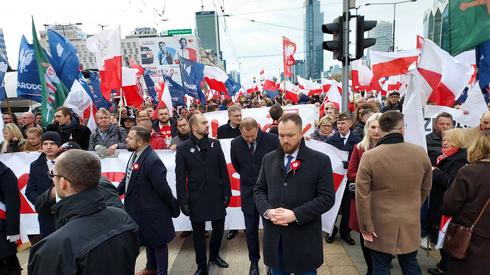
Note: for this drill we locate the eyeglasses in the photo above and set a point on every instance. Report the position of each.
(51, 175)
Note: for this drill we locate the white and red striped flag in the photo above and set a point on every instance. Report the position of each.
(446, 76)
(131, 90)
(106, 46)
(385, 64)
(313, 88)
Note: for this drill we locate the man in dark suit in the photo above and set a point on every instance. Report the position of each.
(294, 188)
(231, 130)
(149, 200)
(39, 181)
(344, 139)
(203, 189)
(247, 152)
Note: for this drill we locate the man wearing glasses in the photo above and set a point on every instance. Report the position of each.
(39, 181)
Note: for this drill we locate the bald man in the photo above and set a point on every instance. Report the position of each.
(28, 120)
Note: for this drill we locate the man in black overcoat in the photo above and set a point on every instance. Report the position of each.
(247, 152)
(295, 187)
(203, 189)
(344, 139)
(149, 200)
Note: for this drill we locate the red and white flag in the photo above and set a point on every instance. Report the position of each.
(131, 90)
(334, 94)
(216, 79)
(361, 75)
(164, 97)
(106, 46)
(288, 50)
(442, 231)
(291, 92)
(313, 88)
(446, 76)
(385, 64)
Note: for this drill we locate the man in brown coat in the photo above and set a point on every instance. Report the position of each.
(393, 180)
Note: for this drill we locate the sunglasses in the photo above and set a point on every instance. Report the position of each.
(51, 175)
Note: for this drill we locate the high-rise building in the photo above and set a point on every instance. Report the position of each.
(298, 69)
(208, 31)
(383, 32)
(3, 49)
(313, 39)
(436, 24)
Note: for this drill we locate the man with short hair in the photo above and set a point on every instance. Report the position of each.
(363, 117)
(29, 121)
(39, 181)
(165, 124)
(88, 230)
(70, 128)
(203, 189)
(183, 133)
(230, 129)
(389, 197)
(485, 121)
(344, 139)
(293, 190)
(149, 200)
(275, 112)
(443, 121)
(247, 152)
(39, 119)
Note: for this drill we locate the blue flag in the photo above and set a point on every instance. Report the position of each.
(150, 85)
(3, 70)
(28, 84)
(483, 63)
(177, 92)
(232, 86)
(192, 75)
(64, 58)
(98, 99)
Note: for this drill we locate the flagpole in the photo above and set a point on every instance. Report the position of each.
(121, 104)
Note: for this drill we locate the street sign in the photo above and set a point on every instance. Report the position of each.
(179, 32)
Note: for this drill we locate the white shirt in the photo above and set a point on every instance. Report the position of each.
(294, 154)
(346, 137)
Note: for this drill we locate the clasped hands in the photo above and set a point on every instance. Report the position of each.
(281, 216)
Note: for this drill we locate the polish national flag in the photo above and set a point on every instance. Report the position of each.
(131, 90)
(361, 75)
(442, 231)
(216, 79)
(106, 46)
(269, 85)
(335, 94)
(164, 97)
(312, 87)
(385, 64)
(446, 76)
(291, 92)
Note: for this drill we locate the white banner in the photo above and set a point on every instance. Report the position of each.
(308, 113)
(431, 111)
(114, 170)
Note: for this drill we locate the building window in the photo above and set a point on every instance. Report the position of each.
(125, 52)
(134, 44)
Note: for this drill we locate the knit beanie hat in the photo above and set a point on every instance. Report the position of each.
(52, 136)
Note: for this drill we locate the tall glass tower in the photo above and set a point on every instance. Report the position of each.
(313, 39)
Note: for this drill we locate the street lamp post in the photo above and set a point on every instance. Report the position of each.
(394, 14)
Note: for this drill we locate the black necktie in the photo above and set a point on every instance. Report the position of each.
(251, 149)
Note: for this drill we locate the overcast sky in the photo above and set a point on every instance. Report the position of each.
(246, 45)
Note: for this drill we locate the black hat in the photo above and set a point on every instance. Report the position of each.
(52, 136)
(394, 93)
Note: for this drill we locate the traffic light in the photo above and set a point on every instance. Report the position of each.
(337, 44)
(361, 42)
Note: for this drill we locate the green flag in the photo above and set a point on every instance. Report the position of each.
(469, 24)
(53, 92)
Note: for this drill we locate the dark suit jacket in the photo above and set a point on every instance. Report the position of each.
(9, 196)
(203, 185)
(308, 192)
(149, 200)
(225, 131)
(248, 166)
(336, 141)
(37, 184)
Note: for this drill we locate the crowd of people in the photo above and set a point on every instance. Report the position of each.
(396, 195)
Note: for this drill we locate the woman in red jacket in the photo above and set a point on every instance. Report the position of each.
(371, 136)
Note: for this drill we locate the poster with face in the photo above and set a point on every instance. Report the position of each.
(161, 54)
